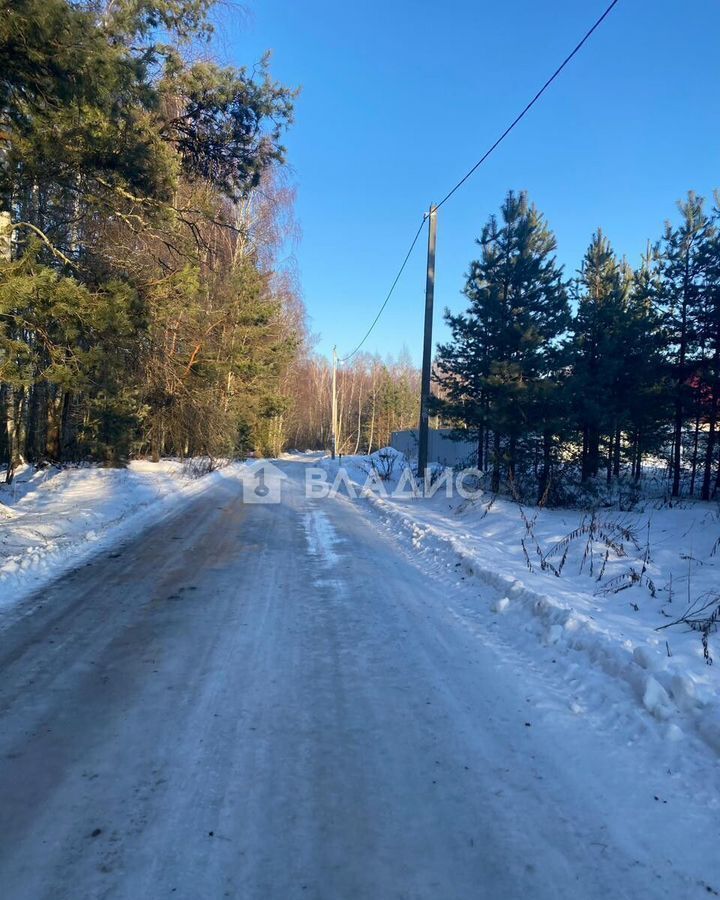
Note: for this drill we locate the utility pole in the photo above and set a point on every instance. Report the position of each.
(427, 344)
(334, 402)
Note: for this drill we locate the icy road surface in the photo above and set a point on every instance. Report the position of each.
(275, 702)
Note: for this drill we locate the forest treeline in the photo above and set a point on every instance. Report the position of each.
(144, 208)
(566, 380)
(146, 310)
(141, 187)
(374, 398)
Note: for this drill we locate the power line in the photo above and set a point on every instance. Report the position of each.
(477, 165)
(390, 293)
(530, 104)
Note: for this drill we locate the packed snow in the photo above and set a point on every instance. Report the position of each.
(356, 699)
(596, 592)
(602, 590)
(52, 519)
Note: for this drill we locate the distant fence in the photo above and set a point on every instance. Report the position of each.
(441, 449)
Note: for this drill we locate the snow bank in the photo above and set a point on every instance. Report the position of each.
(593, 617)
(52, 519)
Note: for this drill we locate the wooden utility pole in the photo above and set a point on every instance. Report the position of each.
(334, 402)
(427, 345)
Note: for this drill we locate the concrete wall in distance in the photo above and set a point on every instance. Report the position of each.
(440, 448)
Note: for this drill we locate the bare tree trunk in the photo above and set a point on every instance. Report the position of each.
(608, 461)
(359, 423)
(695, 454)
(372, 423)
(679, 405)
(616, 457)
(709, 453)
(710, 450)
(544, 481)
(14, 426)
(496, 463)
(637, 456)
(65, 426)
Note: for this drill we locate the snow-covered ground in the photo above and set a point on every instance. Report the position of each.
(52, 519)
(330, 699)
(589, 593)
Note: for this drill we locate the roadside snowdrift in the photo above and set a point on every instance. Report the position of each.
(52, 519)
(600, 587)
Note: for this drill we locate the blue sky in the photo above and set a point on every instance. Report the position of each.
(400, 98)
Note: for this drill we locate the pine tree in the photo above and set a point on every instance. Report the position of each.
(684, 267)
(598, 348)
(710, 340)
(502, 347)
(125, 165)
(647, 390)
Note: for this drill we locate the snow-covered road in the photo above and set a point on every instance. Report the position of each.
(274, 701)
